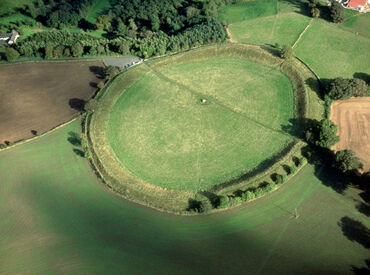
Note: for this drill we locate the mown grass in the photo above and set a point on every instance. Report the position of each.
(55, 217)
(247, 10)
(334, 52)
(283, 29)
(162, 134)
(100, 7)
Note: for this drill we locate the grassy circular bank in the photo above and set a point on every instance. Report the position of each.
(176, 126)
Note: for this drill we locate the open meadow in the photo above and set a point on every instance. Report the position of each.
(163, 134)
(39, 96)
(56, 217)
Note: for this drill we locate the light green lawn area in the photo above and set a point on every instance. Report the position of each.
(356, 22)
(163, 135)
(334, 52)
(56, 218)
(100, 7)
(247, 10)
(283, 28)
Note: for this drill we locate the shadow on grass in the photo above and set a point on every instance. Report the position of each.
(355, 231)
(74, 139)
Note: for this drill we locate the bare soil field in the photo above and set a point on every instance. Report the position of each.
(353, 119)
(36, 97)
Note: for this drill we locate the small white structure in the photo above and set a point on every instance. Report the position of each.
(203, 101)
(9, 38)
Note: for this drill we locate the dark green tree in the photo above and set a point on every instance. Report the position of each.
(347, 161)
(11, 54)
(337, 12)
(48, 51)
(343, 88)
(323, 134)
(77, 50)
(110, 72)
(32, 10)
(361, 87)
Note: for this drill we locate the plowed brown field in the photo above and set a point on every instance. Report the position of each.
(353, 119)
(40, 96)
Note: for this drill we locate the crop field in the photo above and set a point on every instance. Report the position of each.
(161, 132)
(334, 52)
(352, 117)
(55, 217)
(40, 96)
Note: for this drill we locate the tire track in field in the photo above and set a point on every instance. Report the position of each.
(214, 100)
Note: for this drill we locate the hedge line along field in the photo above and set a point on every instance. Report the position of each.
(56, 217)
(334, 52)
(37, 96)
(162, 133)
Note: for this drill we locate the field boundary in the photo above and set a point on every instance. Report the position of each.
(122, 181)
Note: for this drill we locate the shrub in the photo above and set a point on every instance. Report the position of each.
(279, 179)
(237, 200)
(346, 161)
(11, 54)
(269, 187)
(286, 52)
(315, 12)
(302, 161)
(110, 72)
(2, 146)
(258, 192)
(101, 85)
(323, 134)
(87, 153)
(247, 196)
(224, 202)
(292, 170)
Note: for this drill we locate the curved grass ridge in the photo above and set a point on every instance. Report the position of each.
(124, 183)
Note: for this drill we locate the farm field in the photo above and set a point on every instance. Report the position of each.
(40, 96)
(56, 217)
(352, 117)
(161, 133)
(343, 53)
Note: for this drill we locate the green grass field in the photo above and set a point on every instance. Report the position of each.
(55, 217)
(162, 134)
(334, 52)
(100, 7)
(283, 28)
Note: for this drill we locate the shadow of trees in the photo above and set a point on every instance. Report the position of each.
(99, 71)
(355, 231)
(77, 104)
(364, 76)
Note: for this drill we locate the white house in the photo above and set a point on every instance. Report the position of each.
(9, 38)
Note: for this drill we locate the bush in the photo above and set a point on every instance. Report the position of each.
(91, 105)
(292, 170)
(224, 202)
(247, 196)
(269, 187)
(347, 161)
(2, 146)
(11, 54)
(110, 72)
(237, 200)
(258, 192)
(302, 161)
(323, 134)
(87, 153)
(286, 52)
(101, 85)
(279, 179)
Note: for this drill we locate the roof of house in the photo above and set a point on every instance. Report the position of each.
(356, 3)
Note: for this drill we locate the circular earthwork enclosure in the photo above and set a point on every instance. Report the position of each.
(204, 120)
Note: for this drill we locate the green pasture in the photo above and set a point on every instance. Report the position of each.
(162, 134)
(357, 23)
(334, 52)
(56, 218)
(282, 28)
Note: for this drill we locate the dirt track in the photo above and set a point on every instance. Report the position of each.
(40, 96)
(353, 119)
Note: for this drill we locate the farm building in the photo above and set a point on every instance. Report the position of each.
(360, 5)
(9, 38)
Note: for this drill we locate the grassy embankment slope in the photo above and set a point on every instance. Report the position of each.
(163, 134)
(55, 217)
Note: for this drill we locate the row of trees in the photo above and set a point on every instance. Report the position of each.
(336, 11)
(57, 44)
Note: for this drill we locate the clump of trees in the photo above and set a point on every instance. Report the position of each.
(323, 134)
(314, 5)
(11, 54)
(342, 88)
(346, 161)
(337, 12)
